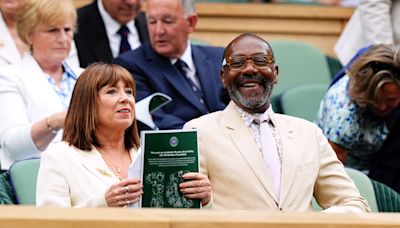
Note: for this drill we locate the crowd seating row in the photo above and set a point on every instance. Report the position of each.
(318, 25)
(18, 186)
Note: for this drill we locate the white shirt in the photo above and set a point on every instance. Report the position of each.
(191, 69)
(112, 27)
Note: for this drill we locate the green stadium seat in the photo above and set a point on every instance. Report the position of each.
(303, 100)
(299, 64)
(6, 193)
(23, 176)
(380, 197)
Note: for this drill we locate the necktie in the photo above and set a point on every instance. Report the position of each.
(124, 45)
(270, 152)
(180, 64)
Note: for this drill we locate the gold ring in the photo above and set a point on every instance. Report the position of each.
(127, 190)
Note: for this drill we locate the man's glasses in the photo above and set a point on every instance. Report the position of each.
(260, 61)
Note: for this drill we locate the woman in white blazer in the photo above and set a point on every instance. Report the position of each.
(11, 46)
(35, 93)
(89, 168)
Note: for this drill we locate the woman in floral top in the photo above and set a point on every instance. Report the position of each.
(355, 112)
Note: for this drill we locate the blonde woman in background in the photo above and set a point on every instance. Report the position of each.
(12, 47)
(35, 93)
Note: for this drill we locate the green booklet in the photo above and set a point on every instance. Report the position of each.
(166, 156)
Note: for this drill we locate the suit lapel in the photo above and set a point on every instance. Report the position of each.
(204, 69)
(95, 164)
(33, 76)
(247, 147)
(289, 155)
(175, 79)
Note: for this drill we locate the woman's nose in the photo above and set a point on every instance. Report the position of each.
(123, 97)
(63, 36)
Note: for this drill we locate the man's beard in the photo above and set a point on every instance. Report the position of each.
(251, 104)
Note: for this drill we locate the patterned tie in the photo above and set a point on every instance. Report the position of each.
(180, 66)
(124, 45)
(270, 151)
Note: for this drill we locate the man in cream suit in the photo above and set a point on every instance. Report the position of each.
(231, 145)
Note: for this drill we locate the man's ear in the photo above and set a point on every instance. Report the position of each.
(276, 73)
(192, 19)
(222, 76)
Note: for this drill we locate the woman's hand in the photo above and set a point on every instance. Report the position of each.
(124, 193)
(44, 131)
(197, 186)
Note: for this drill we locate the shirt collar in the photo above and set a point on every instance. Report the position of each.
(112, 26)
(68, 71)
(186, 57)
(248, 117)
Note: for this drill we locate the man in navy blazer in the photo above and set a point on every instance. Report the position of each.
(152, 65)
(96, 39)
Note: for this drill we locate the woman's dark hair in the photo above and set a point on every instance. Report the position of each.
(81, 120)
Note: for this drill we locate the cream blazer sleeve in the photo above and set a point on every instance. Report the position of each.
(65, 181)
(334, 190)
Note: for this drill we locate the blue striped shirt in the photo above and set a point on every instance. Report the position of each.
(67, 84)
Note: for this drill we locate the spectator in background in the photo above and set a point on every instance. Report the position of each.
(374, 22)
(355, 112)
(12, 47)
(89, 168)
(170, 64)
(35, 93)
(271, 161)
(106, 28)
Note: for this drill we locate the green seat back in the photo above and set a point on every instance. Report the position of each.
(299, 64)
(388, 200)
(364, 185)
(334, 65)
(6, 193)
(23, 176)
(303, 100)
